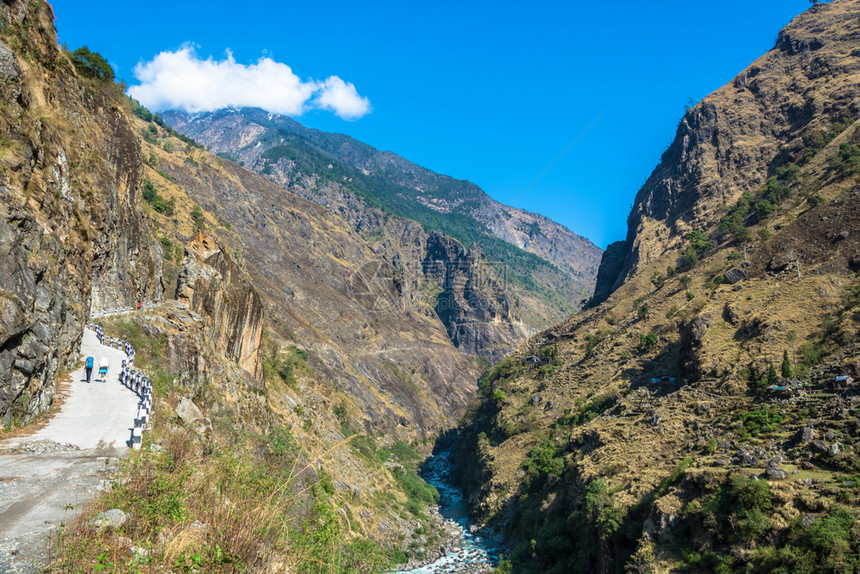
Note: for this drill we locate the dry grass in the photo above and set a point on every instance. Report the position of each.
(234, 510)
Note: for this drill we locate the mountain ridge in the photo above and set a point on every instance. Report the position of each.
(697, 417)
(356, 180)
(408, 174)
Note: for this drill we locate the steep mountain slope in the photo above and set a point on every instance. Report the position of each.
(733, 141)
(373, 337)
(69, 236)
(691, 421)
(548, 268)
(313, 368)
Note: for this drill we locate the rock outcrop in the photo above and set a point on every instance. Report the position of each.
(214, 286)
(71, 235)
(472, 303)
(734, 139)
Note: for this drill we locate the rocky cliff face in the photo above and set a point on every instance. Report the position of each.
(365, 325)
(213, 286)
(355, 179)
(734, 140)
(472, 303)
(628, 436)
(71, 236)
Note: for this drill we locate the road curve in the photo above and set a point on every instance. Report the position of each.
(46, 477)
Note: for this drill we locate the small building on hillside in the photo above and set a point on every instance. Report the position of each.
(842, 382)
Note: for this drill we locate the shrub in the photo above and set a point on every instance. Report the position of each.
(711, 446)
(158, 203)
(815, 200)
(763, 421)
(848, 158)
(544, 460)
(197, 217)
(167, 248)
(764, 209)
(699, 242)
(690, 258)
(647, 343)
(810, 353)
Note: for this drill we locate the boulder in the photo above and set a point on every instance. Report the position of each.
(698, 327)
(731, 315)
(732, 276)
(805, 435)
(819, 445)
(782, 260)
(774, 473)
(113, 518)
(187, 411)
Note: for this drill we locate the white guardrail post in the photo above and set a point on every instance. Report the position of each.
(130, 378)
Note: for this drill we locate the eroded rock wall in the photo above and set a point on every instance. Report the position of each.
(213, 286)
(70, 233)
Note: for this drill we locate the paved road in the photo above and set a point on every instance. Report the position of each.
(65, 463)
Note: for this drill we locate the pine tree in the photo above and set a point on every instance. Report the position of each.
(772, 379)
(786, 365)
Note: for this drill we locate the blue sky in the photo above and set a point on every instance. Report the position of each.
(493, 92)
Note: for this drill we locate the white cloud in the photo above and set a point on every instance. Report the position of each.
(342, 98)
(181, 80)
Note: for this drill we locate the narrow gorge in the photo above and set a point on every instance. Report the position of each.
(327, 359)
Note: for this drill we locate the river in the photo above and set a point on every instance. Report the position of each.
(476, 553)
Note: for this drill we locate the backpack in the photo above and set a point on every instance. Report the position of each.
(89, 362)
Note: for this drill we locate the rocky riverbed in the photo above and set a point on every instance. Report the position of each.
(464, 549)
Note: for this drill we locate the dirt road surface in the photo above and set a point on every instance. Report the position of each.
(47, 477)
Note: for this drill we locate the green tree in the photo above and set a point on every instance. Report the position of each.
(647, 343)
(772, 379)
(786, 365)
(642, 311)
(699, 242)
(92, 64)
(690, 258)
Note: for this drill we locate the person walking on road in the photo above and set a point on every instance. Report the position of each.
(103, 368)
(88, 367)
